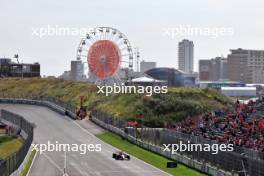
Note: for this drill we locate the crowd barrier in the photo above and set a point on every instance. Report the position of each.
(240, 161)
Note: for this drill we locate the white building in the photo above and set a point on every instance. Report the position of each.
(239, 91)
(144, 66)
(185, 56)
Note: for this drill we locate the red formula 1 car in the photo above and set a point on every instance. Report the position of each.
(121, 156)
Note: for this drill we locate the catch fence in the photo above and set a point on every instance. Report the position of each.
(240, 161)
(11, 163)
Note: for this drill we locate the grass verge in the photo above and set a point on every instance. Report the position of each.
(10, 147)
(29, 163)
(5, 138)
(147, 156)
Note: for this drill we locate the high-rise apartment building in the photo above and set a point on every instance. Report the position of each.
(204, 70)
(213, 70)
(246, 66)
(77, 70)
(185, 56)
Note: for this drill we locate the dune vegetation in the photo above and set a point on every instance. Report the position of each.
(177, 104)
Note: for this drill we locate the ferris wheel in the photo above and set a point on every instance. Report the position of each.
(105, 50)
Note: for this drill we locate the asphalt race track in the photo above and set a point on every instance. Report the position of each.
(53, 127)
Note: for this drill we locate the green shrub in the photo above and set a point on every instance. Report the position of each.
(176, 105)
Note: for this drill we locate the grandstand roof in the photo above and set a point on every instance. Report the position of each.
(145, 79)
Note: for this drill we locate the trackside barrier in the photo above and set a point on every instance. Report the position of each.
(224, 163)
(201, 166)
(241, 160)
(48, 104)
(14, 164)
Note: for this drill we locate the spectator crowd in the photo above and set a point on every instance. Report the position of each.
(241, 125)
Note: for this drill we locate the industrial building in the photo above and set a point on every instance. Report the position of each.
(185, 56)
(12, 69)
(172, 76)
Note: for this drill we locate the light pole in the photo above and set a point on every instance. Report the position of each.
(16, 56)
(22, 69)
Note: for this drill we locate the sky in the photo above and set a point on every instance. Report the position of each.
(146, 23)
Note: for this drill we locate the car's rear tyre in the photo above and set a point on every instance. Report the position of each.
(114, 155)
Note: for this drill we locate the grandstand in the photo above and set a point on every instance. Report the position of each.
(241, 125)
